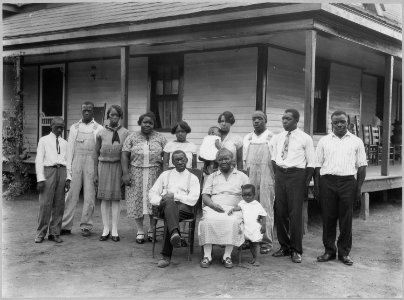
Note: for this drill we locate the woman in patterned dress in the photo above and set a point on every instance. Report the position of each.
(230, 141)
(108, 170)
(181, 130)
(142, 163)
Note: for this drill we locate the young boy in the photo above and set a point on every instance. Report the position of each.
(254, 219)
(209, 148)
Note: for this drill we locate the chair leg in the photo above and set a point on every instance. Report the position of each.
(191, 236)
(154, 236)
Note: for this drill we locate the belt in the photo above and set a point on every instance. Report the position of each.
(338, 176)
(289, 170)
(56, 166)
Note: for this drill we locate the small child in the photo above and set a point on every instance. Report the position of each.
(254, 219)
(208, 150)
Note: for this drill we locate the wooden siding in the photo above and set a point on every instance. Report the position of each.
(344, 91)
(369, 92)
(285, 87)
(215, 82)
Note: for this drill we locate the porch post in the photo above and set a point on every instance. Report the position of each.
(311, 42)
(262, 78)
(388, 88)
(124, 83)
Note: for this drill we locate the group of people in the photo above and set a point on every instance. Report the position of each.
(251, 185)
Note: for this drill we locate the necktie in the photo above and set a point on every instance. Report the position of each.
(57, 145)
(115, 135)
(285, 146)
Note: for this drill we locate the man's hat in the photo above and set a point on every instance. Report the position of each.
(58, 121)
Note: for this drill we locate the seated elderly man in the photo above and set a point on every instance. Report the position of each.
(221, 192)
(175, 193)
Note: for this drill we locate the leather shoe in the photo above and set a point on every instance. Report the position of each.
(296, 257)
(115, 238)
(164, 262)
(346, 260)
(39, 239)
(103, 238)
(175, 240)
(85, 232)
(326, 257)
(205, 262)
(65, 232)
(227, 263)
(281, 252)
(55, 238)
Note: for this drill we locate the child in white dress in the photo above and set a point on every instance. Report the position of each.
(254, 219)
(208, 150)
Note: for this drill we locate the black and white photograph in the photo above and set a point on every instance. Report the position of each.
(201, 149)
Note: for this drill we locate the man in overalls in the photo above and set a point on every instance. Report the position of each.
(257, 161)
(80, 170)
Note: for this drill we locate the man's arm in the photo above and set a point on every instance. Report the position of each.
(39, 166)
(360, 178)
(70, 152)
(95, 158)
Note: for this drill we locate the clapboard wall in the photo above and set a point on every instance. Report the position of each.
(215, 82)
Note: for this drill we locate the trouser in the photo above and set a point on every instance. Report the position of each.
(52, 202)
(290, 190)
(337, 194)
(173, 212)
(83, 176)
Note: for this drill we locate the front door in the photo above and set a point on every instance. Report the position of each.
(52, 94)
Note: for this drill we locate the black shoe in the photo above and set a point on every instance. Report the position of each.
(85, 232)
(175, 240)
(281, 252)
(346, 260)
(326, 257)
(115, 238)
(103, 238)
(227, 263)
(55, 238)
(65, 232)
(296, 257)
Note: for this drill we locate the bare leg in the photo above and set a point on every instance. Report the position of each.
(254, 251)
(139, 225)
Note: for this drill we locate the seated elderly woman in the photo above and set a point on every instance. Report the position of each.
(221, 192)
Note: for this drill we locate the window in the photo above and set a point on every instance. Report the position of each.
(166, 76)
(320, 98)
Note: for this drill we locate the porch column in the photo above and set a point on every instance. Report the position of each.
(19, 74)
(124, 84)
(262, 78)
(311, 42)
(388, 88)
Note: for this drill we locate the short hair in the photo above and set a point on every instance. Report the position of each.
(149, 114)
(223, 151)
(294, 113)
(228, 116)
(248, 186)
(88, 103)
(117, 108)
(338, 113)
(184, 125)
(178, 152)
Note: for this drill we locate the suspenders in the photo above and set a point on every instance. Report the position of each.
(188, 181)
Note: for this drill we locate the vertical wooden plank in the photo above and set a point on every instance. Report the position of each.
(124, 83)
(364, 213)
(311, 42)
(388, 88)
(262, 78)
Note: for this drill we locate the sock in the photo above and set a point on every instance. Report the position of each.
(227, 251)
(207, 251)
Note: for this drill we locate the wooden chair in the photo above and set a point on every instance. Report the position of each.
(370, 148)
(377, 137)
(190, 235)
(99, 114)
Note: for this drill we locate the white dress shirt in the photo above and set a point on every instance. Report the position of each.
(300, 152)
(252, 137)
(47, 154)
(340, 156)
(175, 182)
(92, 126)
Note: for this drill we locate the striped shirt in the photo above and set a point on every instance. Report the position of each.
(340, 156)
(300, 152)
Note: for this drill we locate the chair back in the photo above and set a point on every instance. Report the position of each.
(99, 114)
(375, 132)
(367, 136)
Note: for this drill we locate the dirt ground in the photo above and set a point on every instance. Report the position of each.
(86, 267)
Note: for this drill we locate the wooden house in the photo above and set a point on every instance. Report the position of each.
(193, 60)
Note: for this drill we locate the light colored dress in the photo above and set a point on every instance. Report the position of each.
(188, 147)
(257, 158)
(145, 167)
(208, 148)
(233, 143)
(220, 228)
(109, 165)
(251, 211)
